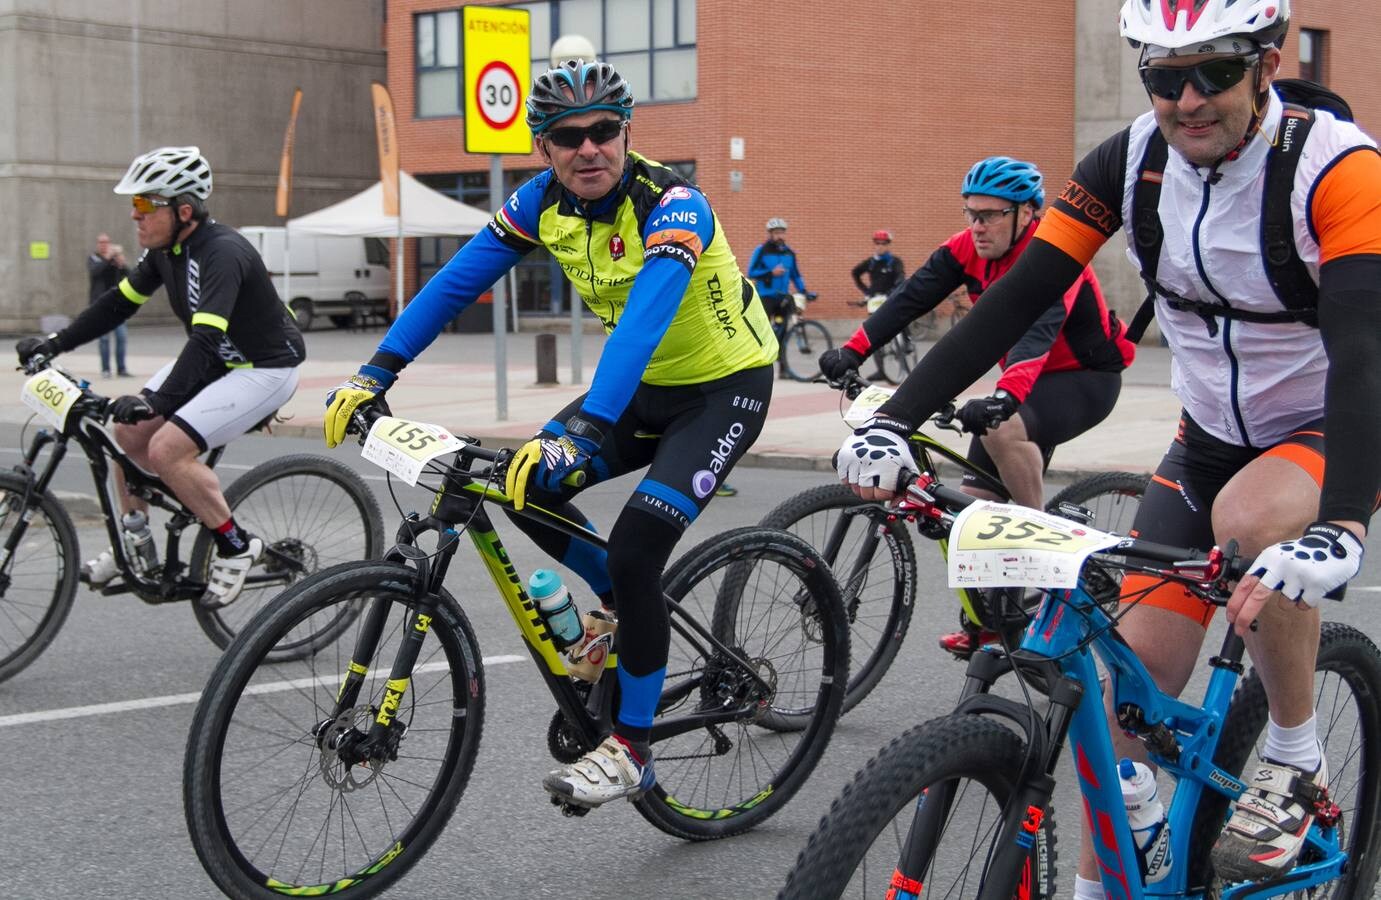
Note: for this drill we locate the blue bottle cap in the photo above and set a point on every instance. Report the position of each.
(1127, 769)
(543, 583)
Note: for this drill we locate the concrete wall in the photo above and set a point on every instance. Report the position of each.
(86, 86)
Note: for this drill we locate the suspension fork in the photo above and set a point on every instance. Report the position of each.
(427, 579)
(853, 584)
(36, 485)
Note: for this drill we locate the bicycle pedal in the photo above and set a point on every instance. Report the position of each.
(568, 809)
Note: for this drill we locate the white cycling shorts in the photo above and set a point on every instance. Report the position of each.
(231, 405)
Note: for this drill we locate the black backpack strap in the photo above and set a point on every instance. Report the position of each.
(1287, 273)
(1147, 234)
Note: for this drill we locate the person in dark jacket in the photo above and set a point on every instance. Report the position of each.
(106, 267)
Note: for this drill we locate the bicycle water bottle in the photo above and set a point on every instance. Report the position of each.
(139, 539)
(556, 606)
(1146, 815)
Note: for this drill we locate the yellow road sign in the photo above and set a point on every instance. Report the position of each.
(498, 72)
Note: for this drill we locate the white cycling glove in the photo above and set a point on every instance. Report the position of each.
(875, 454)
(1311, 567)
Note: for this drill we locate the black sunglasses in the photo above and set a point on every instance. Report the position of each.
(1209, 78)
(572, 138)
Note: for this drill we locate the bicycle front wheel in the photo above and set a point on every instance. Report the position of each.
(937, 794)
(1112, 497)
(742, 730)
(282, 790)
(873, 559)
(312, 513)
(801, 348)
(1347, 705)
(39, 578)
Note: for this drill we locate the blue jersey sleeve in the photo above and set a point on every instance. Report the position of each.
(475, 267)
(796, 278)
(675, 235)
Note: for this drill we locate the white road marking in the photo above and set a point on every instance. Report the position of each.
(273, 687)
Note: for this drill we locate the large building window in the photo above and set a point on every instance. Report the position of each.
(650, 42)
(439, 72)
(1312, 44)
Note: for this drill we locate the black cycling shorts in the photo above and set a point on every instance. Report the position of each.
(1178, 506)
(1060, 407)
(687, 436)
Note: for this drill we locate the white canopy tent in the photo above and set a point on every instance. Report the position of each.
(425, 213)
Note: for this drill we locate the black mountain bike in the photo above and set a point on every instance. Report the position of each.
(333, 773)
(802, 340)
(310, 511)
(869, 546)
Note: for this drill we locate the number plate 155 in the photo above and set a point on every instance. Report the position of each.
(404, 448)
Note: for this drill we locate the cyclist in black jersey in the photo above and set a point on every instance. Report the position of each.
(238, 366)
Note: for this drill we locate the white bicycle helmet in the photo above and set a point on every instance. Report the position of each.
(168, 172)
(1181, 24)
(776, 222)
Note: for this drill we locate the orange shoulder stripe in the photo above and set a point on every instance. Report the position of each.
(1345, 207)
(1070, 235)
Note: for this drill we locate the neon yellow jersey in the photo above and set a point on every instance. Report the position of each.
(718, 327)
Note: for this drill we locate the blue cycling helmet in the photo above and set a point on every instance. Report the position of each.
(576, 86)
(1002, 176)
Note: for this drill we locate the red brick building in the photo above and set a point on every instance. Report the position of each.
(852, 117)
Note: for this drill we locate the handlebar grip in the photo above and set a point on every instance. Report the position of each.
(575, 479)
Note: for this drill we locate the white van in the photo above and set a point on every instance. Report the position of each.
(345, 279)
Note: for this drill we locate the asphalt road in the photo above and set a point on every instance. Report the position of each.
(92, 799)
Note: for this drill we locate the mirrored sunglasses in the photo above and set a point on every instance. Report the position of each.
(573, 138)
(147, 203)
(1209, 78)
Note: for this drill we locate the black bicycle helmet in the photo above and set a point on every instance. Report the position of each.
(577, 86)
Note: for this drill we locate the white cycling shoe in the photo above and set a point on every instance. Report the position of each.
(227, 576)
(96, 572)
(1269, 822)
(608, 772)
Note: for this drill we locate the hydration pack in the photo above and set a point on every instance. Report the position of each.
(1286, 272)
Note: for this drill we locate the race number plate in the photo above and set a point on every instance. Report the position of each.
(404, 448)
(866, 404)
(51, 395)
(1000, 545)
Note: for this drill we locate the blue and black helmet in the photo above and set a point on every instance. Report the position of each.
(577, 86)
(1002, 176)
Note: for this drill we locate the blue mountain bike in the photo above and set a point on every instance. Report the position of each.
(961, 806)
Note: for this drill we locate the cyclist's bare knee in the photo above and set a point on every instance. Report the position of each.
(134, 439)
(1270, 500)
(170, 448)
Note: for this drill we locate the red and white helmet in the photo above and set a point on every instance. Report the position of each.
(1190, 24)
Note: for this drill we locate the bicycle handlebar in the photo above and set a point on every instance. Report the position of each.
(853, 384)
(926, 497)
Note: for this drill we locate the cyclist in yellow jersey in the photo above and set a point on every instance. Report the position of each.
(681, 389)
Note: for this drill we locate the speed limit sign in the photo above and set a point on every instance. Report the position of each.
(498, 70)
(497, 94)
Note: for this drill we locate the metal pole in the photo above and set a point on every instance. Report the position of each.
(500, 301)
(402, 301)
(577, 336)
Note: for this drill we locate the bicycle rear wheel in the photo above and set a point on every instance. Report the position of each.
(39, 579)
(275, 802)
(1347, 703)
(802, 345)
(312, 513)
(873, 559)
(771, 599)
(965, 763)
